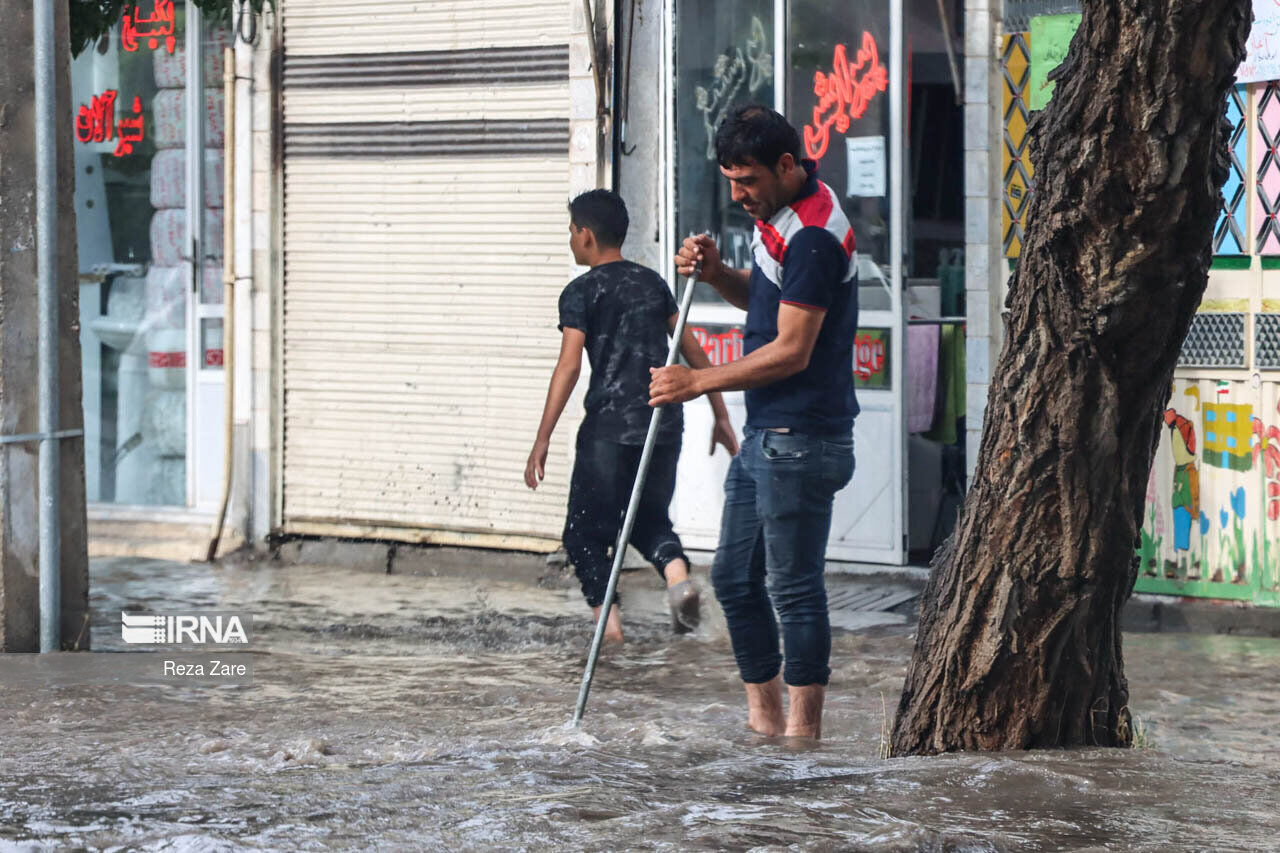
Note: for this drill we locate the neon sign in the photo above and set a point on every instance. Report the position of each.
(96, 122)
(844, 93)
(161, 24)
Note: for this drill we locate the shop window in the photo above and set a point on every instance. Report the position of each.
(132, 166)
(838, 96)
(724, 58)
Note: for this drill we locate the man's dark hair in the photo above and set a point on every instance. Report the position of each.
(605, 213)
(755, 133)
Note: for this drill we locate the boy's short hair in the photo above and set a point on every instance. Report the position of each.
(755, 133)
(605, 213)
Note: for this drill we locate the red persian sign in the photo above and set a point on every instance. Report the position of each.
(843, 94)
(868, 355)
(161, 25)
(96, 122)
(167, 359)
(720, 347)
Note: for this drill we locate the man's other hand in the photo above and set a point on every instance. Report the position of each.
(675, 384)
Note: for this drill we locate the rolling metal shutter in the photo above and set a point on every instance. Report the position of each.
(425, 180)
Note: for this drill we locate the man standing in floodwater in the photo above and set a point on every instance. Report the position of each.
(797, 449)
(623, 314)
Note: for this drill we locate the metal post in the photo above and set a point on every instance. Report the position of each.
(196, 248)
(780, 56)
(898, 83)
(637, 489)
(47, 288)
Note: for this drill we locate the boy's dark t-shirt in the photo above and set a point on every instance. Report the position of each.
(622, 308)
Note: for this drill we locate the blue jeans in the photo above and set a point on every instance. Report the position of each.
(772, 552)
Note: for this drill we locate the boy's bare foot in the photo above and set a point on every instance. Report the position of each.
(804, 718)
(677, 571)
(613, 627)
(764, 707)
(682, 597)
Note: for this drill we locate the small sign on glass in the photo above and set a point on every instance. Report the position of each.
(866, 166)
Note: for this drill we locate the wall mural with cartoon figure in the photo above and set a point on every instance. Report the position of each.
(1186, 488)
(1215, 487)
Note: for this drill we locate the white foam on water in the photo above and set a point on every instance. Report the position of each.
(566, 735)
(306, 750)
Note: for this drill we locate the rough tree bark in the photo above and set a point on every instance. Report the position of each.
(1019, 642)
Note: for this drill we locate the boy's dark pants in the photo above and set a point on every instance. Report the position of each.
(603, 475)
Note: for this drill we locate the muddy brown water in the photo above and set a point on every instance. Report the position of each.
(399, 712)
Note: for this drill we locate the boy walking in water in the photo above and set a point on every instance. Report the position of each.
(622, 314)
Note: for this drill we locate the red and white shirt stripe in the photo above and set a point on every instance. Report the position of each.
(822, 209)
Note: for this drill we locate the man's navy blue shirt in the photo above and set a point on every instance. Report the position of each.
(815, 264)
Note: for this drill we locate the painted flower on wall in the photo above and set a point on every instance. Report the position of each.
(1266, 447)
(1238, 502)
(1153, 504)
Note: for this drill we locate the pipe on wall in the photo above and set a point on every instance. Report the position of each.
(229, 294)
(50, 533)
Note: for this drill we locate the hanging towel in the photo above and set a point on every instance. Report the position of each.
(922, 376)
(951, 384)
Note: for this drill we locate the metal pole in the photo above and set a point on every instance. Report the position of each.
(196, 248)
(620, 549)
(47, 289)
(898, 83)
(229, 294)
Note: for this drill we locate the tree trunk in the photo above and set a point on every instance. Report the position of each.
(19, 372)
(1019, 640)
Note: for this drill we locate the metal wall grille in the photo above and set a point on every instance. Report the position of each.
(1215, 340)
(1266, 156)
(1015, 159)
(1228, 235)
(1266, 341)
(1018, 13)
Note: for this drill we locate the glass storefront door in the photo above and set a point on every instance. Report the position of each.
(725, 55)
(148, 199)
(842, 74)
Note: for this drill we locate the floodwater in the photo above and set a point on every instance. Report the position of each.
(401, 712)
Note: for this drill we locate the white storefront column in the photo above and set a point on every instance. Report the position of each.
(984, 262)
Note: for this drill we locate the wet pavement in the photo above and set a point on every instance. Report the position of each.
(400, 712)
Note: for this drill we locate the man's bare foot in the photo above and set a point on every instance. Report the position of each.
(613, 627)
(804, 717)
(677, 571)
(764, 707)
